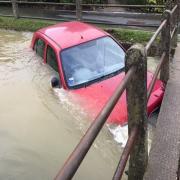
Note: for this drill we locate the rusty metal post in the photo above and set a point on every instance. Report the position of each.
(79, 10)
(15, 8)
(166, 46)
(137, 110)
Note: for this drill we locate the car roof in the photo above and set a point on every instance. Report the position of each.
(69, 34)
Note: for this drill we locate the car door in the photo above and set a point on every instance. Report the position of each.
(52, 61)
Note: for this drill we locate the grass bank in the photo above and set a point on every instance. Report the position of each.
(123, 35)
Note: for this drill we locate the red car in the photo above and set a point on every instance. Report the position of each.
(90, 64)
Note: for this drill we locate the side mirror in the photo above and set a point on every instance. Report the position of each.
(55, 83)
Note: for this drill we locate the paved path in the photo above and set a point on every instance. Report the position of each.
(113, 18)
(165, 151)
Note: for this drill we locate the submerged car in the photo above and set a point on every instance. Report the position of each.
(90, 64)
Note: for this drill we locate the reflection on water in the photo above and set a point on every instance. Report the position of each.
(39, 126)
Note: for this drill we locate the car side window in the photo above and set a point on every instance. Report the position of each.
(51, 58)
(39, 47)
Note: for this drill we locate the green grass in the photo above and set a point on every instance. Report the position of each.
(130, 36)
(23, 24)
(122, 35)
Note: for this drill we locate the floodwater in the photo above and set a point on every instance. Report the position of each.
(40, 126)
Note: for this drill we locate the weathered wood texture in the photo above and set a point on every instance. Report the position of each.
(79, 10)
(137, 114)
(15, 8)
(169, 4)
(165, 46)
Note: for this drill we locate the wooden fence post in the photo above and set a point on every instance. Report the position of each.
(166, 46)
(168, 4)
(178, 15)
(79, 10)
(15, 8)
(175, 20)
(137, 110)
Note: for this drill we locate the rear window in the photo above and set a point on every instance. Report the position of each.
(39, 47)
(51, 58)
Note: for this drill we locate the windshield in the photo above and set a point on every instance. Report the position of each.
(91, 61)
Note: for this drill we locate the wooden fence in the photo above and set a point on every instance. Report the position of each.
(78, 5)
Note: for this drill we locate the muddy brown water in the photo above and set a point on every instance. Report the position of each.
(39, 126)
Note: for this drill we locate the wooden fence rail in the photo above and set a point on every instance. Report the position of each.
(78, 6)
(90, 4)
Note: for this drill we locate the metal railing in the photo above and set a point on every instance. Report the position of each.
(74, 160)
(135, 84)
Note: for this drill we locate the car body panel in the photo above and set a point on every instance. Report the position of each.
(93, 97)
(69, 34)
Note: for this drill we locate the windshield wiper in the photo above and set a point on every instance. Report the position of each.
(85, 84)
(106, 76)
